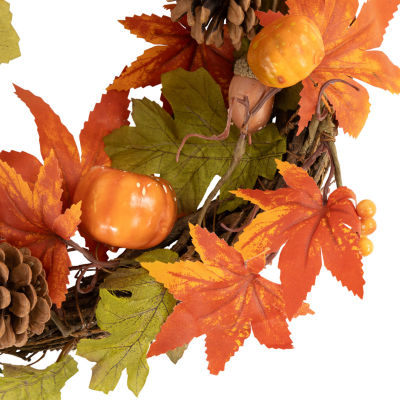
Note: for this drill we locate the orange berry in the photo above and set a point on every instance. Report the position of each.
(368, 226)
(366, 209)
(366, 246)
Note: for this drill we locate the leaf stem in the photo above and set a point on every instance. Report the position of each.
(237, 156)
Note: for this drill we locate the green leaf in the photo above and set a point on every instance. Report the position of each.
(176, 354)
(151, 146)
(132, 308)
(289, 98)
(23, 382)
(9, 39)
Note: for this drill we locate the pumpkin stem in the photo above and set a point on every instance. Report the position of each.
(221, 136)
(318, 114)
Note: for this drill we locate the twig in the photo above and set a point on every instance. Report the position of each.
(321, 93)
(250, 218)
(311, 160)
(335, 160)
(65, 331)
(39, 359)
(89, 256)
(328, 182)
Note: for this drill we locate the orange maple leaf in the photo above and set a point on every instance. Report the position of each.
(348, 55)
(297, 218)
(221, 297)
(111, 113)
(33, 217)
(177, 50)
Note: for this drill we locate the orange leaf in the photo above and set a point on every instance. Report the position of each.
(24, 164)
(111, 113)
(53, 135)
(220, 298)
(297, 220)
(347, 41)
(33, 218)
(178, 50)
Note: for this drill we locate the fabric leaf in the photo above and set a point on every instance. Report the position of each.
(132, 308)
(34, 218)
(53, 135)
(348, 41)
(177, 49)
(150, 146)
(26, 383)
(111, 113)
(221, 298)
(24, 164)
(296, 219)
(9, 39)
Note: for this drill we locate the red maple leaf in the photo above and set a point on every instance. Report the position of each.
(297, 218)
(177, 50)
(34, 218)
(348, 46)
(111, 113)
(221, 297)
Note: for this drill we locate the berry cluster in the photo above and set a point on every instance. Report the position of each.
(366, 209)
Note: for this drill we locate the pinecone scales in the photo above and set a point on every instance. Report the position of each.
(208, 17)
(24, 296)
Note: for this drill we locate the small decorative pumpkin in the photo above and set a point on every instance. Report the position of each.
(286, 51)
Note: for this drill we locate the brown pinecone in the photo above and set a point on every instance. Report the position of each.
(208, 17)
(24, 296)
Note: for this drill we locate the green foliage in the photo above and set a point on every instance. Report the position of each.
(9, 39)
(289, 98)
(23, 382)
(132, 308)
(151, 146)
(176, 354)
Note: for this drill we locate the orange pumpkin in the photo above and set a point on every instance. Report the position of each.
(286, 51)
(125, 209)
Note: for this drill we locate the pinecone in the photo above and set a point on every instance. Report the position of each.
(207, 19)
(24, 296)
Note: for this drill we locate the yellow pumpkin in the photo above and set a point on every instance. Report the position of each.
(286, 51)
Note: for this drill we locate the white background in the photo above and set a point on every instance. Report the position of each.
(350, 349)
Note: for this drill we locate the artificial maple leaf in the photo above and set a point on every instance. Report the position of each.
(348, 43)
(150, 146)
(111, 113)
(298, 218)
(23, 382)
(9, 39)
(177, 50)
(220, 297)
(25, 164)
(34, 218)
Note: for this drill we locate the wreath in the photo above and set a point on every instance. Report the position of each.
(254, 92)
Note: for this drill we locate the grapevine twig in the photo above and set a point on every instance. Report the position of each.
(250, 218)
(321, 117)
(335, 161)
(89, 256)
(311, 160)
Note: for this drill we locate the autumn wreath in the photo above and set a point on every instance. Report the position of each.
(253, 91)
